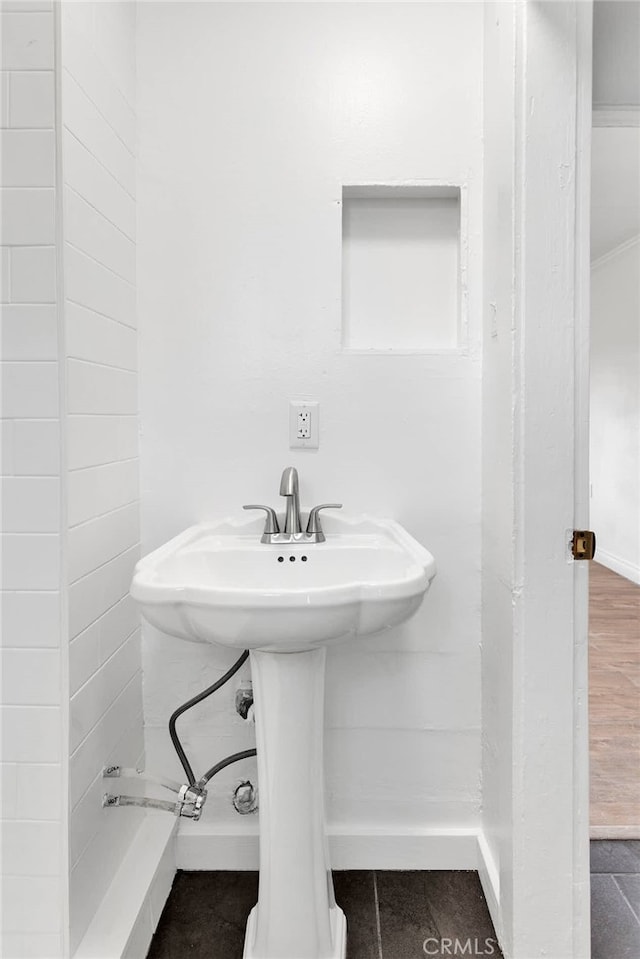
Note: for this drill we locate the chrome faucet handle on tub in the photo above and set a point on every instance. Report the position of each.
(271, 526)
(313, 523)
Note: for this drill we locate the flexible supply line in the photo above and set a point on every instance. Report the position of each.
(194, 795)
(182, 756)
(236, 757)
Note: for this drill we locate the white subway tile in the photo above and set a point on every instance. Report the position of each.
(27, 41)
(4, 99)
(29, 332)
(78, 19)
(100, 389)
(32, 945)
(92, 285)
(26, 6)
(96, 338)
(8, 790)
(81, 117)
(94, 645)
(36, 447)
(31, 848)
(102, 689)
(100, 489)
(33, 274)
(115, 31)
(5, 273)
(32, 100)
(90, 73)
(7, 447)
(31, 561)
(29, 390)
(91, 232)
(31, 619)
(40, 791)
(30, 677)
(27, 216)
(31, 504)
(97, 541)
(120, 727)
(120, 622)
(87, 819)
(97, 440)
(83, 172)
(32, 902)
(84, 655)
(31, 734)
(28, 157)
(93, 595)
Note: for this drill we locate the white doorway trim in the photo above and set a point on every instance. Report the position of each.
(535, 753)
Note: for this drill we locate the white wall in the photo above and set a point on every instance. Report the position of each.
(251, 118)
(33, 747)
(97, 82)
(615, 187)
(615, 408)
(616, 53)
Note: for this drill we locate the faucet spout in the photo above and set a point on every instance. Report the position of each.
(289, 488)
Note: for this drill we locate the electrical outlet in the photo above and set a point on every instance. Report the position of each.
(303, 431)
(304, 424)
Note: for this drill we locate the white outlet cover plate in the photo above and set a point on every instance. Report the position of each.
(313, 441)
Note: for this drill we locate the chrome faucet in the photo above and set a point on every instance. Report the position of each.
(289, 488)
(292, 532)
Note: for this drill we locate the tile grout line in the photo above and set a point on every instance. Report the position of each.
(624, 895)
(377, 905)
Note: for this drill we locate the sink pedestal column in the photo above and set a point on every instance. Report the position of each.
(296, 916)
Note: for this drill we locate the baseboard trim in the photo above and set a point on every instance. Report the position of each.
(489, 876)
(128, 915)
(616, 116)
(203, 846)
(617, 565)
(615, 832)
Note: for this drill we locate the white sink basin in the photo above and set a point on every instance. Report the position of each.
(217, 583)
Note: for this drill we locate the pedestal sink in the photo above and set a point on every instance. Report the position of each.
(219, 583)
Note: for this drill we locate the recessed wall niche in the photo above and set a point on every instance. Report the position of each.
(401, 268)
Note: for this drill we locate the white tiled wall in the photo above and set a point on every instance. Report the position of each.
(98, 162)
(33, 751)
(69, 361)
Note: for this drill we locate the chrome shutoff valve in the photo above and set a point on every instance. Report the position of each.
(189, 803)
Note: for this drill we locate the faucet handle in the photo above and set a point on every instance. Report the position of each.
(313, 523)
(271, 523)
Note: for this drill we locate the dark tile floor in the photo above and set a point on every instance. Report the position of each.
(615, 899)
(390, 915)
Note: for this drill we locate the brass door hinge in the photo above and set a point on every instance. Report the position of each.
(583, 544)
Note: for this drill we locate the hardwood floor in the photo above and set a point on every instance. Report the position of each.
(614, 704)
